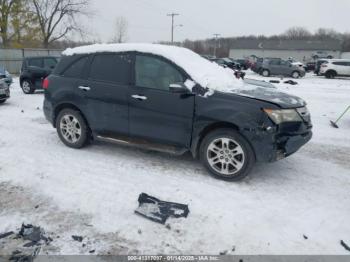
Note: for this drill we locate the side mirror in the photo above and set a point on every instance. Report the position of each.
(178, 88)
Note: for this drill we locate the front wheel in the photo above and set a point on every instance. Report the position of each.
(330, 74)
(227, 155)
(72, 128)
(295, 74)
(265, 73)
(2, 101)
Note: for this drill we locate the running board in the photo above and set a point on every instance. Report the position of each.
(142, 144)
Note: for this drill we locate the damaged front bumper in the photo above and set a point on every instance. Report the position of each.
(4, 93)
(278, 142)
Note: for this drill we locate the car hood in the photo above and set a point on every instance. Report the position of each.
(270, 95)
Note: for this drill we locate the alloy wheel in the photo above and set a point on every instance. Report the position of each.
(70, 128)
(26, 86)
(225, 156)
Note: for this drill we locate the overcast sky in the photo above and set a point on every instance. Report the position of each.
(202, 18)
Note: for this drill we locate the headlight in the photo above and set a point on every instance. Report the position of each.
(283, 115)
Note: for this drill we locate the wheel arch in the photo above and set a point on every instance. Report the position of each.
(67, 105)
(210, 128)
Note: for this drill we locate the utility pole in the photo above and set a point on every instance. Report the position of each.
(216, 39)
(172, 25)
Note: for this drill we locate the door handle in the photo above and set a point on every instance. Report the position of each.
(85, 88)
(138, 97)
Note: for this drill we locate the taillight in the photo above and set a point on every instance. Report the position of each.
(46, 83)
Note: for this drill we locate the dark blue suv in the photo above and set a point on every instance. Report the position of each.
(156, 97)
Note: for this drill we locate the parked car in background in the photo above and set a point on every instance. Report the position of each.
(120, 93)
(281, 67)
(227, 62)
(318, 65)
(335, 67)
(310, 66)
(6, 76)
(4, 91)
(321, 54)
(208, 57)
(243, 63)
(256, 66)
(34, 70)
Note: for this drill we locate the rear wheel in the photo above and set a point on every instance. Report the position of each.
(330, 74)
(27, 87)
(2, 101)
(72, 128)
(227, 155)
(265, 72)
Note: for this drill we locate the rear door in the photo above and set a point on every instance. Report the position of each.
(106, 92)
(155, 113)
(36, 69)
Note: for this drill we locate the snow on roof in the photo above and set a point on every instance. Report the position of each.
(202, 71)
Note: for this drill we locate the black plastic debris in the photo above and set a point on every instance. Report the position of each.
(30, 232)
(92, 251)
(291, 82)
(6, 234)
(77, 238)
(18, 256)
(305, 237)
(33, 234)
(159, 211)
(275, 81)
(345, 245)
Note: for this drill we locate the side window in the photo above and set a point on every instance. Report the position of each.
(75, 70)
(50, 63)
(112, 68)
(152, 72)
(38, 62)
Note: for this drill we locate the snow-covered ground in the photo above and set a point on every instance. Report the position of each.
(93, 192)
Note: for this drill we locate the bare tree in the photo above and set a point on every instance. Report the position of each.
(57, 18)
(297, 33)
(120, 30)
(6, 9)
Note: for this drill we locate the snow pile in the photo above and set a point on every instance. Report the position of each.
(207, 74)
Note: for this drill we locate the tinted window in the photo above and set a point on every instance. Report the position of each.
(111, 68)
(50, 63)
(38, 62)
(75, 70)
(341, 63)
(155, 73)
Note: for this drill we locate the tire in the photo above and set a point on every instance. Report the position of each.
(265, 73)
(227, 166)
(72, 128)
(296, 74)
(27, 87)
(2, 101)
(330, 74)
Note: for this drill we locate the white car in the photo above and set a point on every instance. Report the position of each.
(335, 67)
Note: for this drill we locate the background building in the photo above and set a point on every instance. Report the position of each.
(300, 50)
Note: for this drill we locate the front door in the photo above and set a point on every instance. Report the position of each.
(155, 113)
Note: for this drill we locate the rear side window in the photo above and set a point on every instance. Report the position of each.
(38, 62)
(341, 63)
(113, 68)
(50, 63)
(75, 70)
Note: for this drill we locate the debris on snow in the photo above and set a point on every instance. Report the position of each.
(305, 237)
(18, 256)
(223, 253)
(92, 251)
(33, 233)
(345, 245)
(275, 81)
(78, 238)
(291, 82)
(159, 211)
(6, 234)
